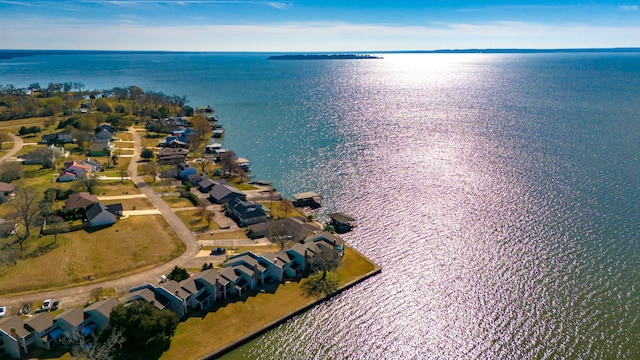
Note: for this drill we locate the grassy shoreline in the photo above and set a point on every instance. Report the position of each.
(207, 335)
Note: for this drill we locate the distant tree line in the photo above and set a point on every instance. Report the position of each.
(59, 99)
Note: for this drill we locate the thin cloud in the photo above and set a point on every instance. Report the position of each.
(629, 7)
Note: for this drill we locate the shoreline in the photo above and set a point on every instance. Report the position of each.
(281, 320)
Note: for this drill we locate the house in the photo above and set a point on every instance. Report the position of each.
(99, 215)
(63, 137)
(215, 285)
(100, 311)
(246, 212)
(295, 227)
(77, 168)
(7, 192)
(14, 337)
(101, 147)
(172, 156)
(41, 326)
(74, 320)
(222, 193)
(94, 165)
(326, 237)
(116, 209)
(66, 176)
(108, 127)
(104, 134)
(80, 200)
(58, 151)
(168, 295)
(262, 268)
(342, 222)
(195, 179)
(307, 199)
(205, 185)
(183, 132)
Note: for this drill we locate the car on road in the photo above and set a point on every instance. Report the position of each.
(3, 311)
(219, 251)
(55, 305)
(46, 305)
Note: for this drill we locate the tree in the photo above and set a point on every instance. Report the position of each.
(45, 156)
(58, 225)
(89, 182)
(81, 348)
(278, 234)
(4, 137)
(228, 163)
(178, 274)
(316, 285)
(147, 154)
(146, 330)
(26, 206)
(327, 259)
(9, 171)
(201, 126)
(150, 168)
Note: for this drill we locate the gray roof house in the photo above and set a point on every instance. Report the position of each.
(80, 200)
(100, 311)
(99, 215)
(246, 212)
(41, 326)
(14, 336)
(220, 194)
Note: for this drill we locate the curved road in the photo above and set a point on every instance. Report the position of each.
(80, 294)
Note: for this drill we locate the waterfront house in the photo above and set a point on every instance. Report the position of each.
(74, 320)
(40, 325)
(7, 192)
(14, 337)
(246, 212)
(172, 156)
(165, 296)
(295, 227)
(215, 285)
(100, 311)
(205, 185)
(324, 238)
(222, 193)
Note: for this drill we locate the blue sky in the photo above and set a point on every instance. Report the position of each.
(313, 25)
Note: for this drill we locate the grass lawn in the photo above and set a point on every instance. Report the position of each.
(226, 235)
(112, 188)
(105, 254)
(194, 222)
(177, 202)
(124, 145)
(242, 186)
(205, 332)
(132, 204)
(280, 211)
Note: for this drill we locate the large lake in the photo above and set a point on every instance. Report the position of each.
(499, 193)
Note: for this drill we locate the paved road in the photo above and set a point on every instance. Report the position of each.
(80, 294)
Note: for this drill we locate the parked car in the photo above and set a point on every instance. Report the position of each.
(3, 311)
(26, 308)
(219, 251)
(55, 305)
(46, 305)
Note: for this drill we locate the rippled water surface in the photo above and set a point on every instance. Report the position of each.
(499, 193)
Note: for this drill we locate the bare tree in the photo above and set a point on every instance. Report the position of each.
(278, 234)
(26, 206)
(58, 225)
(93, 350)
(327, 259)
(228, 163)
(10, 170)
(150, 168)
(89, 182)
(287, 207)
(45, 156)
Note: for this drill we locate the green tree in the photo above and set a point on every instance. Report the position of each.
(178, 274)
(10, 171)
(146, 330)
(147, 154)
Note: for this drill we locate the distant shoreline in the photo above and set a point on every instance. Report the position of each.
(7, 54)
(324, 57)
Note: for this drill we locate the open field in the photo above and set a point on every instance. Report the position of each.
(226, 235)
(177, 202)
(103, 254)
(132, 204)
(203, 333)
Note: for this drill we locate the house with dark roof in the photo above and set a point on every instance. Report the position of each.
(246, 212)
(100, 311)
(63, 137)
(41, 327)
(75, 320)
(307, 199)
(167, 295)
(222, 193)
(99, 215)
(326, 237)
(206, 184)
(105, 134)
(172, 156)
(14, 336)
(80, 200)
(101, 147)
(295, 227)
(7, 192)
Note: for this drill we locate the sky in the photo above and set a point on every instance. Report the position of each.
(316, 25)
